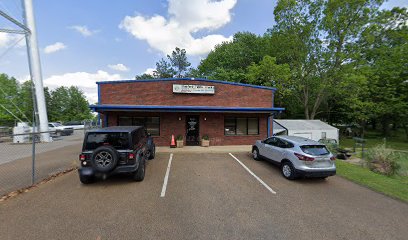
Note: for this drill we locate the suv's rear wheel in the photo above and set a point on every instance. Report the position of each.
(140, 173)
(288, 171)
(104, 159)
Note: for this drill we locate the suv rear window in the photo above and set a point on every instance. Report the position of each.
(315, 150)
(118, 140)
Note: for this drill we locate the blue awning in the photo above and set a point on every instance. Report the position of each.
(153, 108)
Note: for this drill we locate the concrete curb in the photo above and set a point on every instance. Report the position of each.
(212, 149)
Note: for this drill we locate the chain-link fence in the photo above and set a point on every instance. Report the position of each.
(24, 162)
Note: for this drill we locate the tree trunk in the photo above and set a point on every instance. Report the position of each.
(362, 130)
(386, 126)
(307, 112)
(317, 103)
(406, 130)
(306, 102)
(374, 124)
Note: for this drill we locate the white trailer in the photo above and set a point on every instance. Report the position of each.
(312, 129)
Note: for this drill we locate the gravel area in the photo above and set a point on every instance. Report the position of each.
(10, 152)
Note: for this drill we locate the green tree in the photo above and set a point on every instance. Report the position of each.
(144, 76)
(78, 107)
(319, 40)
(176, 65)
(295, 40)
(386, 54)
(163, 69)
(268, 73)
(69, 104)
(59, 104)
(179, 62)
(229, 60)
(9, 88)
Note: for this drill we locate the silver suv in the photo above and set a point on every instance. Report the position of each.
(297, 156)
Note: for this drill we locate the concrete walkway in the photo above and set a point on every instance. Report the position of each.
(212, 149)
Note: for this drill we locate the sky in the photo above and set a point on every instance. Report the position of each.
(82, 42)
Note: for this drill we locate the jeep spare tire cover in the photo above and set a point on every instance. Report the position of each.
(104, 159)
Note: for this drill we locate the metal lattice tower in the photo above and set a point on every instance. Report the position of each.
(28, 28)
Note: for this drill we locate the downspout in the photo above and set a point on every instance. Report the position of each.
(106, 119)
(99, 102)
(269, 127)
(271, 115)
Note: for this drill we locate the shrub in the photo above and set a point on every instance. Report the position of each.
(382, 160)
(179, 137)
(206, 137)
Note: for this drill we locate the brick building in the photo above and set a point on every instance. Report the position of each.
(228, 113)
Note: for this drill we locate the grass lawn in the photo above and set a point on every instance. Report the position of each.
(397, 140)
(403, 163)
(395, 186)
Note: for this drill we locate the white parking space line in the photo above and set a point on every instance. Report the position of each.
(166, 177)
(253, 174)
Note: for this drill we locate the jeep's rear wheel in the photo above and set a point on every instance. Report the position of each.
(104, 159)
(140, 173)
(86, 179)
(152, 153)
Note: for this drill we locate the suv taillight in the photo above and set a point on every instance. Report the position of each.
(131, 156)
(303, 157)
(82, 157)
(333, 158)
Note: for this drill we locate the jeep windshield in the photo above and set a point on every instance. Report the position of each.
(118, 140)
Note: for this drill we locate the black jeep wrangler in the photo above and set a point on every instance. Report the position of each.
(114, 150)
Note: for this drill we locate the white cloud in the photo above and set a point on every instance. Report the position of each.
(8, 40)
(84, 30)
(149, 71)
(119, 67)
(58, 46)
(24, 78)
(185, 18)
(83, 80)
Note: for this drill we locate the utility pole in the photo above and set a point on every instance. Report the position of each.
(35, 68)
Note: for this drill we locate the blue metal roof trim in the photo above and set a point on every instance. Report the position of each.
(189, 79)
(183, 108)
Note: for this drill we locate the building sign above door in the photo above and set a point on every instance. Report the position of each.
(196, 89)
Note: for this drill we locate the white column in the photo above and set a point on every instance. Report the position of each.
(35, 68)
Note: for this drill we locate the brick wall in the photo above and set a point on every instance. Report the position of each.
(213, 126)
(161, 93)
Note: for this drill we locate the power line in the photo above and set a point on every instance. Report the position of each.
(14, 104)
(11, 46)
(1, 105)
(16, 31)
(11, 19)
(6, 8)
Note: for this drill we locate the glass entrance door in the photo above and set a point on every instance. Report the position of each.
(192, 131)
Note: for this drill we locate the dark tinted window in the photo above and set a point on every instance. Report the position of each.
(241, 126)
(135, 138)
(152, 124)
(272, 141)
(118, 140)
(73, 123)
(315, 150)
(285, 144)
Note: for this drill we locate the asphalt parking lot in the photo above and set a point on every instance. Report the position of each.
(207, 196)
